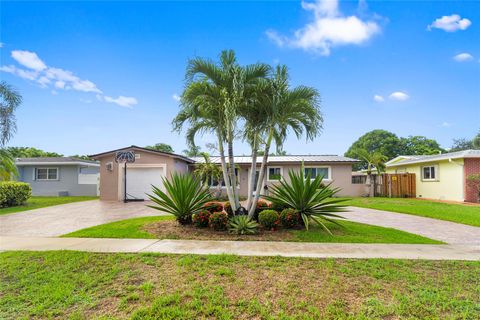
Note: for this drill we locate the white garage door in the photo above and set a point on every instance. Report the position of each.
(140, 180)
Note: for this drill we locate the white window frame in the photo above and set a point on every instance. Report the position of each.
(35, 173)
(274, 167)
(435, 167)
(329, 168)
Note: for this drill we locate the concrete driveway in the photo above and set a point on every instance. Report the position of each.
(58, 220)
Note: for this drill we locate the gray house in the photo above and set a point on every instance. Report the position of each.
(60, 176)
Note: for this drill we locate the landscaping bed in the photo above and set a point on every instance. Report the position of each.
(79, 285)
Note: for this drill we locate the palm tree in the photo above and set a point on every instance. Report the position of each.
(210, 102)
(207, 170)
(10, 99)
(8, 169)
(374, 160)
(285, 109)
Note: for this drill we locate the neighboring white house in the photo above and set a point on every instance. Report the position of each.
(60, 176)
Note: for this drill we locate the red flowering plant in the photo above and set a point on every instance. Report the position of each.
(213, 207)
(290, 218)
(201, 219)
(218, 221)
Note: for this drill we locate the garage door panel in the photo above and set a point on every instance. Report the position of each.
(140, 181)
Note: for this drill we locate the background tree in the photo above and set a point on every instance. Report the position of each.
(8, 169)
(163, 147)
(476, 141)
(380, 141)
(375, 161)
(418, 145)
(192, 151)
(30, 152)
(466, 144)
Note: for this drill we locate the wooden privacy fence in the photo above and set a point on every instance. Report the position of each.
(396, 185)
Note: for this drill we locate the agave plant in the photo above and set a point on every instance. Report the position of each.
(242, 225)
(184, 195)
(309, 197)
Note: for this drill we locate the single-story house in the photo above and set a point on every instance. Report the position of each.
(441, 176)
(151, 166)
(60, 176)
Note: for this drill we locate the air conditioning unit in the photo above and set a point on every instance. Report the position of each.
(109, 166)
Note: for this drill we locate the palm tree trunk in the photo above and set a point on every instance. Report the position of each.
(231, 199)
(261, 176)
(233, 177)
(253, 170)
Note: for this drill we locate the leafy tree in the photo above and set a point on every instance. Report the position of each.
(8, 169)
(418, 145)
(163, 147)
(30, 152)
(83, 157)
(476, 141)
(461, 144)
(10, 99)
(192, 151)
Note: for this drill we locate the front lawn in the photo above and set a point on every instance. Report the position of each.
(79, 285)
(460, 213)
(164, 227)
(41, 202)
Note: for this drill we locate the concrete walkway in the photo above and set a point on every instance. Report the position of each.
(446, 231)
(247, 248)
(62, 219)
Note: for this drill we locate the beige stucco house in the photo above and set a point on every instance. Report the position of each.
(442, 176)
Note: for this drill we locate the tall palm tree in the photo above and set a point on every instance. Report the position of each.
(207, 170)
(375, 161)
(214, 92)
(285, 109)
(10, 99)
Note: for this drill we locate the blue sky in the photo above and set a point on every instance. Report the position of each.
(97, 76)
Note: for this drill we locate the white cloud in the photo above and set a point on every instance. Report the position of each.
(176, 97)
(28, 59)
(462, 57)
(399, 96)
(328, 29)
(378, 98)
(450, 23)
(122, 101)
(1, 44)
(446, 124)
(57, 78)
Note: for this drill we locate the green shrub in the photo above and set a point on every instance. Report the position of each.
(185, 195)
(312, 200)
(269, 219)
(242, 225)
(218, 221)
(228, 209)
(201, 219)
(213, 207)
(289, 218)
(13, 193)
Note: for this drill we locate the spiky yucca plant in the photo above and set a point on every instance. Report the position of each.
(185, 195)
(309, 197)
(242, 225)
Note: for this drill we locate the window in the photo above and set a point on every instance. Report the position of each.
(429, 173)
(214, 181)
(46, 174)
(274, 174)
(320, 171)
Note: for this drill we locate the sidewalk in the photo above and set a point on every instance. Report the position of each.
(247, 248)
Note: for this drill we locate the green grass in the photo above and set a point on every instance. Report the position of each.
(79, 285)
(41, 202)
(466, 214)
(130, 228)
(348, 232)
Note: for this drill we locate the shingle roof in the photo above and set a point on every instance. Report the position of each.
(289, 159)
(54, 160)
(437, 157)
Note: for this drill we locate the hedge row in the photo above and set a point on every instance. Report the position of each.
(14, 193)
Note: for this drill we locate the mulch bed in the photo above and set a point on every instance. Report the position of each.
(172, 230)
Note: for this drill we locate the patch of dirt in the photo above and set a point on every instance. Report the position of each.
(172, 230)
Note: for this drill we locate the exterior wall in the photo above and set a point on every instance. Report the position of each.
(67, 181)
(472, 166)
(448, 186)
(112, 182)
(341, 175)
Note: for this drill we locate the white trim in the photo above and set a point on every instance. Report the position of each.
(57, 163)
(35, 175)
(437, 173)
(329, 168)
(268, 173)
